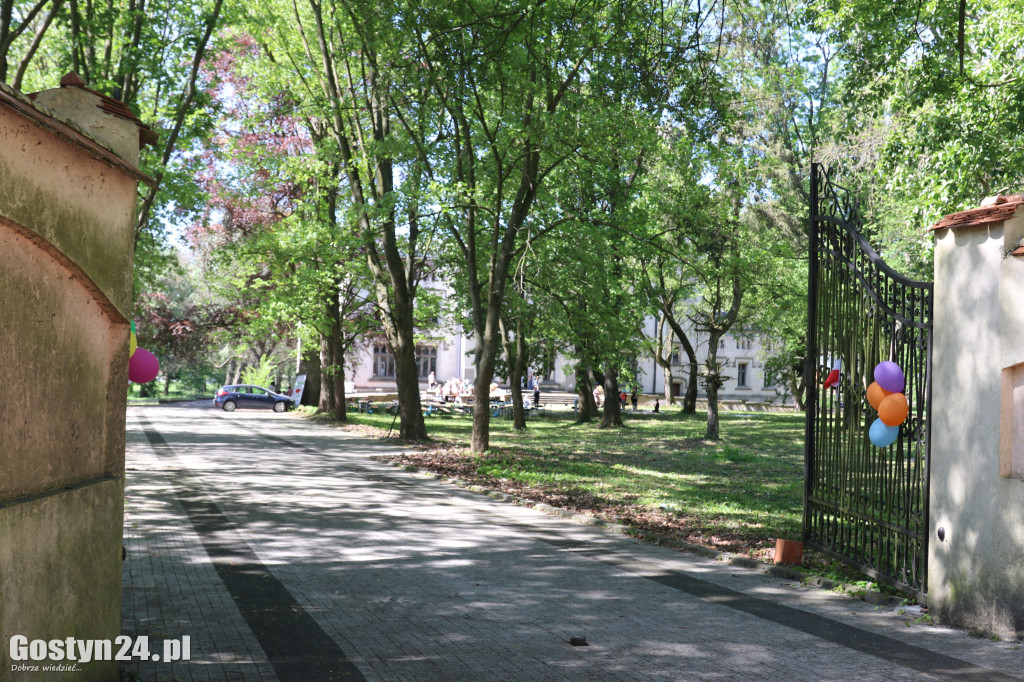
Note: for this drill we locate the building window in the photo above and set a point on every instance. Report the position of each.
(741, 375)
(383, 362)
(426, 360)
(674, 360)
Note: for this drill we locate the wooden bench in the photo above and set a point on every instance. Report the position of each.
(556, 399)
(560, 400)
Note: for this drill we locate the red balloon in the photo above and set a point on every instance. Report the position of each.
(143, 366)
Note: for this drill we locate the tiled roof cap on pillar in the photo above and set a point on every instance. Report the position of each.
(105, 119)
(113, 107)
(995, 209)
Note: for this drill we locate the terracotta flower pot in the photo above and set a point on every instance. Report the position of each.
(788, 551)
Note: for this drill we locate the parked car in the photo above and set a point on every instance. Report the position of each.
(231, 397)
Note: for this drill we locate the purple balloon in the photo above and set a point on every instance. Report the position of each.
(890, 377)
(143, 366)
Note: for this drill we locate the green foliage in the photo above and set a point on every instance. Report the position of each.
(931, 112)
(565, 168)
(261, 373)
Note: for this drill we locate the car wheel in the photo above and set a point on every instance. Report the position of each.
(279, 406)
(229, 406)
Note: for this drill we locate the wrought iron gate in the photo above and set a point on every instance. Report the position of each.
(864, 505)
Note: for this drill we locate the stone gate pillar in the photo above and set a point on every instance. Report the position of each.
(976, 548)
(68, 188)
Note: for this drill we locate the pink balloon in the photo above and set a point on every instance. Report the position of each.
(143, 366)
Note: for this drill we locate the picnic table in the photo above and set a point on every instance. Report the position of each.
(369, 406)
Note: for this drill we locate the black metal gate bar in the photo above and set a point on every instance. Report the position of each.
(863, 505)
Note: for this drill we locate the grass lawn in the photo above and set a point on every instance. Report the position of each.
(174, 394)
(657, 473)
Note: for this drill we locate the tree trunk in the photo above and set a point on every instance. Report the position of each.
(518, 413)
(332, 378)
(612, 415)
(665, 361)
(408, 379)
(326, 402)
(504, 239)
(515, 357)
(797, 385)
(328, 396)
(482, 401)
(666, 368)
(669, 398)
(713, 381)
(29, 53)
(309, 364)
(690, 400)
(712, 430)
(585, 391)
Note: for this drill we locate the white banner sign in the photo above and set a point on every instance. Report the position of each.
(300, 383)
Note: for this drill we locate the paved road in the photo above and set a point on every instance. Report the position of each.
(285, 552)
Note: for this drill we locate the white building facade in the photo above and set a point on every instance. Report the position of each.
(741, 360)
(740, 356)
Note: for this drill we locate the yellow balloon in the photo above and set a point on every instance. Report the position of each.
(132, 344)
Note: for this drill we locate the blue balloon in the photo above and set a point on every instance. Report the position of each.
(883, 435)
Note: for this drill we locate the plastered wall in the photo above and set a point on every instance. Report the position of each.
(976, 548)
(66, 241)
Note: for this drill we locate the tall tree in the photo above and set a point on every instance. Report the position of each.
(283, 238)
(347, 60)
(516, 82)
(16, 20)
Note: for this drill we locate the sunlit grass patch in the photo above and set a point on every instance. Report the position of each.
(657, 473)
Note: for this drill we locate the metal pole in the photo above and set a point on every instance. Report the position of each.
(810, 361)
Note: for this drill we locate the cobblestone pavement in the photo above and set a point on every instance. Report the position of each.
(282, 550)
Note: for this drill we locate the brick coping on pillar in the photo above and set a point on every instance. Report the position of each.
(993, 210)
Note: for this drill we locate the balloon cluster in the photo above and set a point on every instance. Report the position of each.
(886, 396)
(142, 365)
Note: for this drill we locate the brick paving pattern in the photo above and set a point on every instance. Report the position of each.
(409, 578)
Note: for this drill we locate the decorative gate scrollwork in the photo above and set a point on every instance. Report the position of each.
(864, 505)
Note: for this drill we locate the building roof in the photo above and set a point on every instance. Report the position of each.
(111, 106)
(48, 119)
(993, 210)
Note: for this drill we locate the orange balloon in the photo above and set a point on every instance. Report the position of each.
(876, 394)
(893, 410)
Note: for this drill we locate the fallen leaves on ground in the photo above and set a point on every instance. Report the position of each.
(458, 463)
